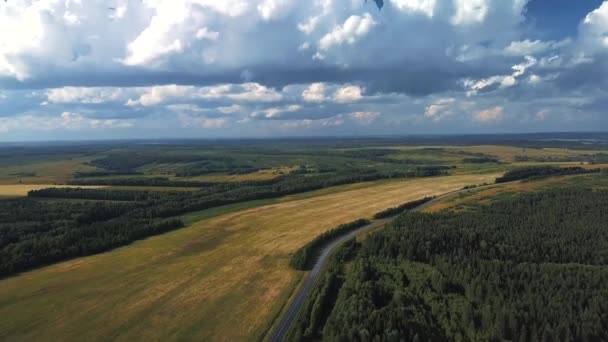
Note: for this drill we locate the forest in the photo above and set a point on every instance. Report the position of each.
(305, 257)
(532, 267)
(36, 233)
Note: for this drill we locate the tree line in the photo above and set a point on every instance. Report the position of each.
(542, 171)
(529, 268)
(305, 257)
(401, 208)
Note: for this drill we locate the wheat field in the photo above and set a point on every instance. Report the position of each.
(224, 278)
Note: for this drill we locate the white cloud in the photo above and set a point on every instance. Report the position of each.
(309, 25)
(364, 118)
(87, 95)
(347, 94)
(192, 121)
(353, 28)
(171, 29)
(67, 120)
(528, 47)
(246, 92)
(427, 7)
(230, 109)
(204, 33)
(276, 112)
(489, 115)
(273, 9)
(440, 109)
(314, 93)
(470, 12)
(335, 121)
(503, 81)
(593, 30)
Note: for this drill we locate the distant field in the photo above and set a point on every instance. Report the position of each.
(20, 190)
(222, 278)
(151, 188)
(504, 153)
(40, 171)
(508, 153)
(475, 197)
(258, 175)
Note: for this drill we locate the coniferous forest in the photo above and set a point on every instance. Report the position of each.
(529, 268)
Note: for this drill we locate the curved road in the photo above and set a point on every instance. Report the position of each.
(279, 333)
(294, 307)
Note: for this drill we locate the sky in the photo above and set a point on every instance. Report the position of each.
(119, 69)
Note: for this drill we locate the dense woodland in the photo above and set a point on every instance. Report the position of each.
(34, 233)
(530, 268)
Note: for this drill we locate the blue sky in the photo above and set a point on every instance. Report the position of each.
(74, 69)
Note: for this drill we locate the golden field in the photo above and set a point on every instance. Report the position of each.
(20, 190)
(223, 278)
(485, 195)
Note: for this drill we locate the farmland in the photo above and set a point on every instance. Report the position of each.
(192, 240)
(224, 277)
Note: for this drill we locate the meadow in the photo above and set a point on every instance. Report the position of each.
(222, 278)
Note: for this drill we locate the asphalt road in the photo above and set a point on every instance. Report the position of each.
(294, 307)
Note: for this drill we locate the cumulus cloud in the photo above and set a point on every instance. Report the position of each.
(440, 109)
(503, 81)
(314, 93)
(66, 120)
(489, 115)
(349, 93)
(272, 9)
(247, 92)
(426, 7)
(470, 11)
(531, 47)
(86, 95)
(353, 28)
(334, 121)
(203, 122)
(276, 112)
(299, 63)
(364, 118)
(594, 29)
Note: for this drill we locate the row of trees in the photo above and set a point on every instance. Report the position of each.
(401, 208)
(309, 324)
(541, 171)
(305, 257)
(530, 268)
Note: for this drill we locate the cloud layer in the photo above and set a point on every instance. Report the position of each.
(200, 68)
